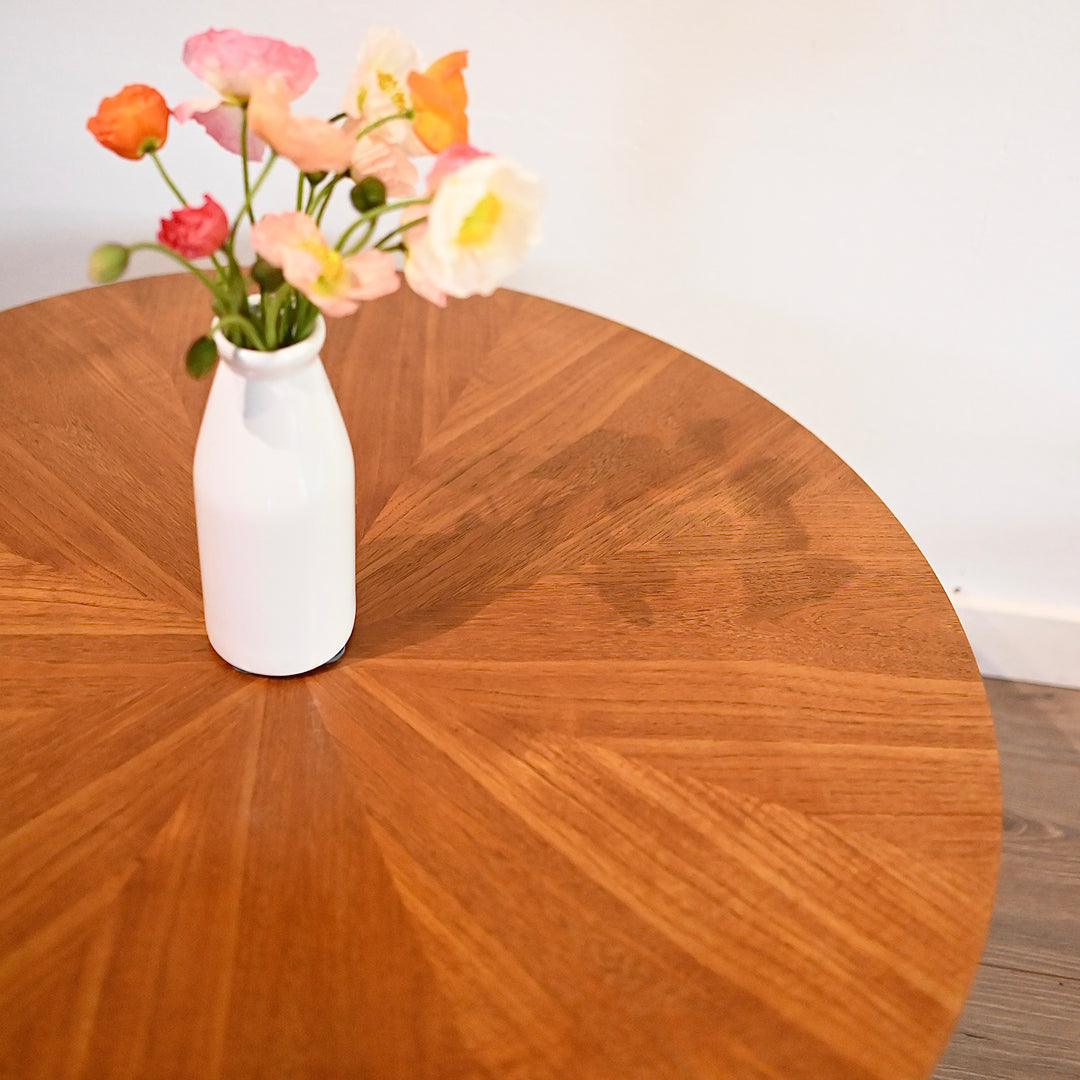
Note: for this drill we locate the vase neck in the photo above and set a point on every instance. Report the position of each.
(272, 363)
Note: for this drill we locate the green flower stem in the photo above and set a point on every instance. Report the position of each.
(183, 202)
(285, 317)
(405, 114)
(236, 275)
(299, 191)
(317, 204)
(397, 231)
(372, 215)
(316, 197)
(245, 325)
(244, 159)
(306, 314)
(165, 176)
(149, 245)
(263, 173)
(363, 239)
(271, 305)
(323, 201)
(249, 195)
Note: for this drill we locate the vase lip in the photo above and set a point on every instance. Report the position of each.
(260, 363)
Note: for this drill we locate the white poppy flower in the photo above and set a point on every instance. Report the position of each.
(483, 219)
(379, 86)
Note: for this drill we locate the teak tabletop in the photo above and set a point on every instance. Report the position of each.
(657, 752)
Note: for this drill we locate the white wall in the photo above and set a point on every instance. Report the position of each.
(865, 209)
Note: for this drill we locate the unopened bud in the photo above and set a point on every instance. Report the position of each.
(107, 263)
(201, 357)
(368, 194)
(268, 278)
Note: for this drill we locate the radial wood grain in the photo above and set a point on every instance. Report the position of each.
(657, 751)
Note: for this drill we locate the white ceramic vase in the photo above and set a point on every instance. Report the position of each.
(275, 510)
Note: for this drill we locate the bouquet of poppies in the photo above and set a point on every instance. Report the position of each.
(458, 234)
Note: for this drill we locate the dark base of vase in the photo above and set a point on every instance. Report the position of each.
(333, 660)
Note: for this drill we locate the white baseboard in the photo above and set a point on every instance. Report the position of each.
(1024, 642)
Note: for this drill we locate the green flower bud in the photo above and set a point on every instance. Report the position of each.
(315, 178)
(368, 194)
(268, 278)
(107, 263)
(201, 357)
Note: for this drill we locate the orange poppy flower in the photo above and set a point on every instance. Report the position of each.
(439, 99)
(132, 122)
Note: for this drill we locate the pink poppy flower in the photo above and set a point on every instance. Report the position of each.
(222, 122)
(449, 161)
(233, 63)
(334, 283)
(311, 144)
(195, 231)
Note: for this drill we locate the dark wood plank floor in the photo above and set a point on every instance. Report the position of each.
(1022, 1020)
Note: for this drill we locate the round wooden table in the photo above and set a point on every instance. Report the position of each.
(657, 751)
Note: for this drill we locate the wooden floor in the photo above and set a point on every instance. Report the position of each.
(1022, 1021)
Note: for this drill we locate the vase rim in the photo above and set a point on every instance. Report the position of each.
(270, 362)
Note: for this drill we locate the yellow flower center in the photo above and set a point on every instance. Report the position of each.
(480, 221)
(389, 85)
(332, 274)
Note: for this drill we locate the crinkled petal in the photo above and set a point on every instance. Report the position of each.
(311, 144)
(223, 123)
(389, 162)
(371, 274)
(439, 99)
(449, 161)
(417, 275)
(233, 62)
(378, 84)
(275, 234)
(481, 222)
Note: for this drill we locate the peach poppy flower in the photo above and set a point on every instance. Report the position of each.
(131, 122)
(334, 283)
(311, 144)
(388, 161)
